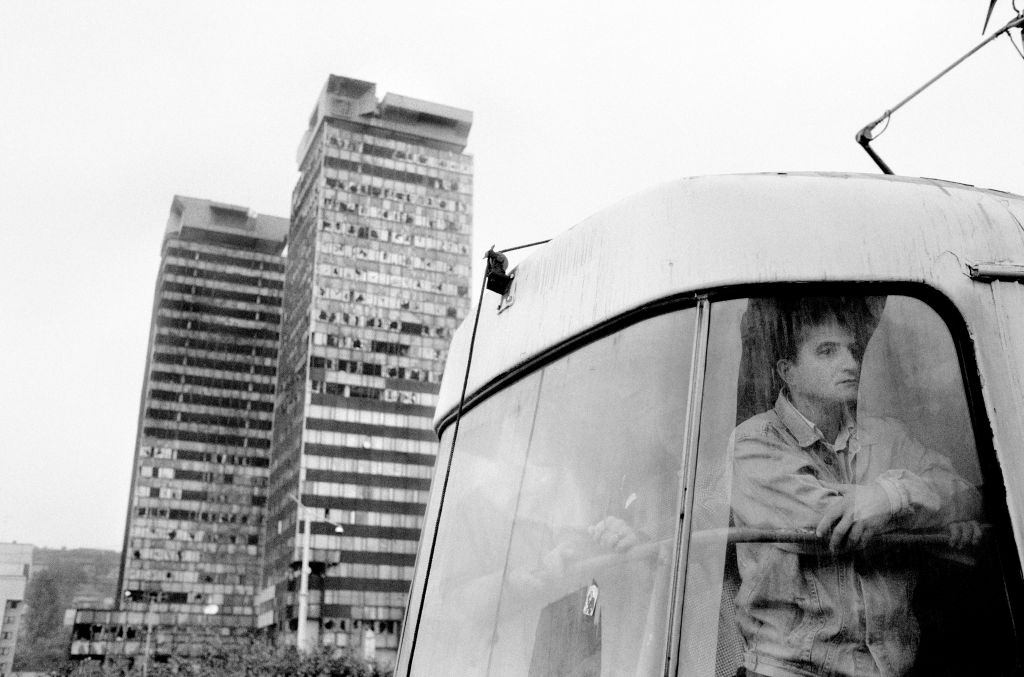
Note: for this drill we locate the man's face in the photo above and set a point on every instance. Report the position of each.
(827, 366)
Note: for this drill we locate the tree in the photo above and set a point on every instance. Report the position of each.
(43, 641)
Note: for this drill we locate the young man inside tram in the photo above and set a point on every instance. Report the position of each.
(843, 605)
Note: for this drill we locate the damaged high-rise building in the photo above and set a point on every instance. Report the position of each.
(377, 281)
(190, 564)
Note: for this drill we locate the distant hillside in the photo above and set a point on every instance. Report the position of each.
(61, 579)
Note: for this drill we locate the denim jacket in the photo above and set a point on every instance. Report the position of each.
(805, 611)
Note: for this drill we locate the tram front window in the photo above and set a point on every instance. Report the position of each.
(555, 552)
(837, 521)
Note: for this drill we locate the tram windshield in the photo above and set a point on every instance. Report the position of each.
(837, 518)
(834, 503)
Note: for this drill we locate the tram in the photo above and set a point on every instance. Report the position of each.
(629, 482)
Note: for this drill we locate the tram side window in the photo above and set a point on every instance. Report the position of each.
(556, 546)
(837, 521)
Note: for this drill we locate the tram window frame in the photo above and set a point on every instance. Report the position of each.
(994, 496)
(661, 307)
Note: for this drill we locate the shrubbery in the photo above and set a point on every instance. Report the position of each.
(257, 659)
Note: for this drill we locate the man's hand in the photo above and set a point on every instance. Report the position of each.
(614, 533)
(862, 511)
(964, 534)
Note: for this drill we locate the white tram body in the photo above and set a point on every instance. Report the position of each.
(498, 592)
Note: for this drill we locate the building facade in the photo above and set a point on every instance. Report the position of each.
(377, 280)
(190, 560)
(15, 569)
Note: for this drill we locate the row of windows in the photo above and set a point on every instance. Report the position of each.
(188, 576)
(219, 495)
(339, 357)
(368, 467)
(385, 394)
(417, 374)
(197, 515)
(371, 604)
(413, 160)
(208, 419)
(370, 416)
(347, 252)
(243, 262)
(330, 545)
(336, 206)
(209, 274)
(352, 162)
(211, 400)
(99, 632)
(337, 257)
(218, 311)
(383, 571)
(180, 494)
(158, 596)
(196, 546)
(147, 451)
(390, 391)
(374, 519)
(400, 280)
(216, 364)
(366, 492)
(210, 382)
(331, 439)
(423, 200)
(209, 438)
(398, 150)
(198, 343)
(232, 557)
(376, 322)
(170, 319)
(321, 338)
(334, 290)
(405, 239)
(217, 293)
(330, 300)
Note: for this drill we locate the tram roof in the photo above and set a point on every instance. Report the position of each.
(720, 231)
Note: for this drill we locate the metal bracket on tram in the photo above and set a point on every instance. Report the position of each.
(989, 272)
(498, 280)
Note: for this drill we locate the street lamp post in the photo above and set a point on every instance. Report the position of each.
(303, 619)
(149, 628)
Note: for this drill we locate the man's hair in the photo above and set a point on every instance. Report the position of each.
(773, 328)
(798, 316)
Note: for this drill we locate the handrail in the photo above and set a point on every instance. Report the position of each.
(733, 535)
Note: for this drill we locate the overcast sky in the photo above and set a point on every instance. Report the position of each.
(108, 109)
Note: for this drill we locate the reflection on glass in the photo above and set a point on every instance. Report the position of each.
(554, 554)
(837, 505)
(469, 560)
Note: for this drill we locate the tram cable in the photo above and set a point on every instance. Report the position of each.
(497, 279)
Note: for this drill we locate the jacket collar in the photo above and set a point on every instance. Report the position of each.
(803, 429)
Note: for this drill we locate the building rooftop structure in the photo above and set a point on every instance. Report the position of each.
(424, 122)
(221, 223)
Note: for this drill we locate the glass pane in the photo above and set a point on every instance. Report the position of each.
(837, 521)
(469, 559)
(589, 566)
